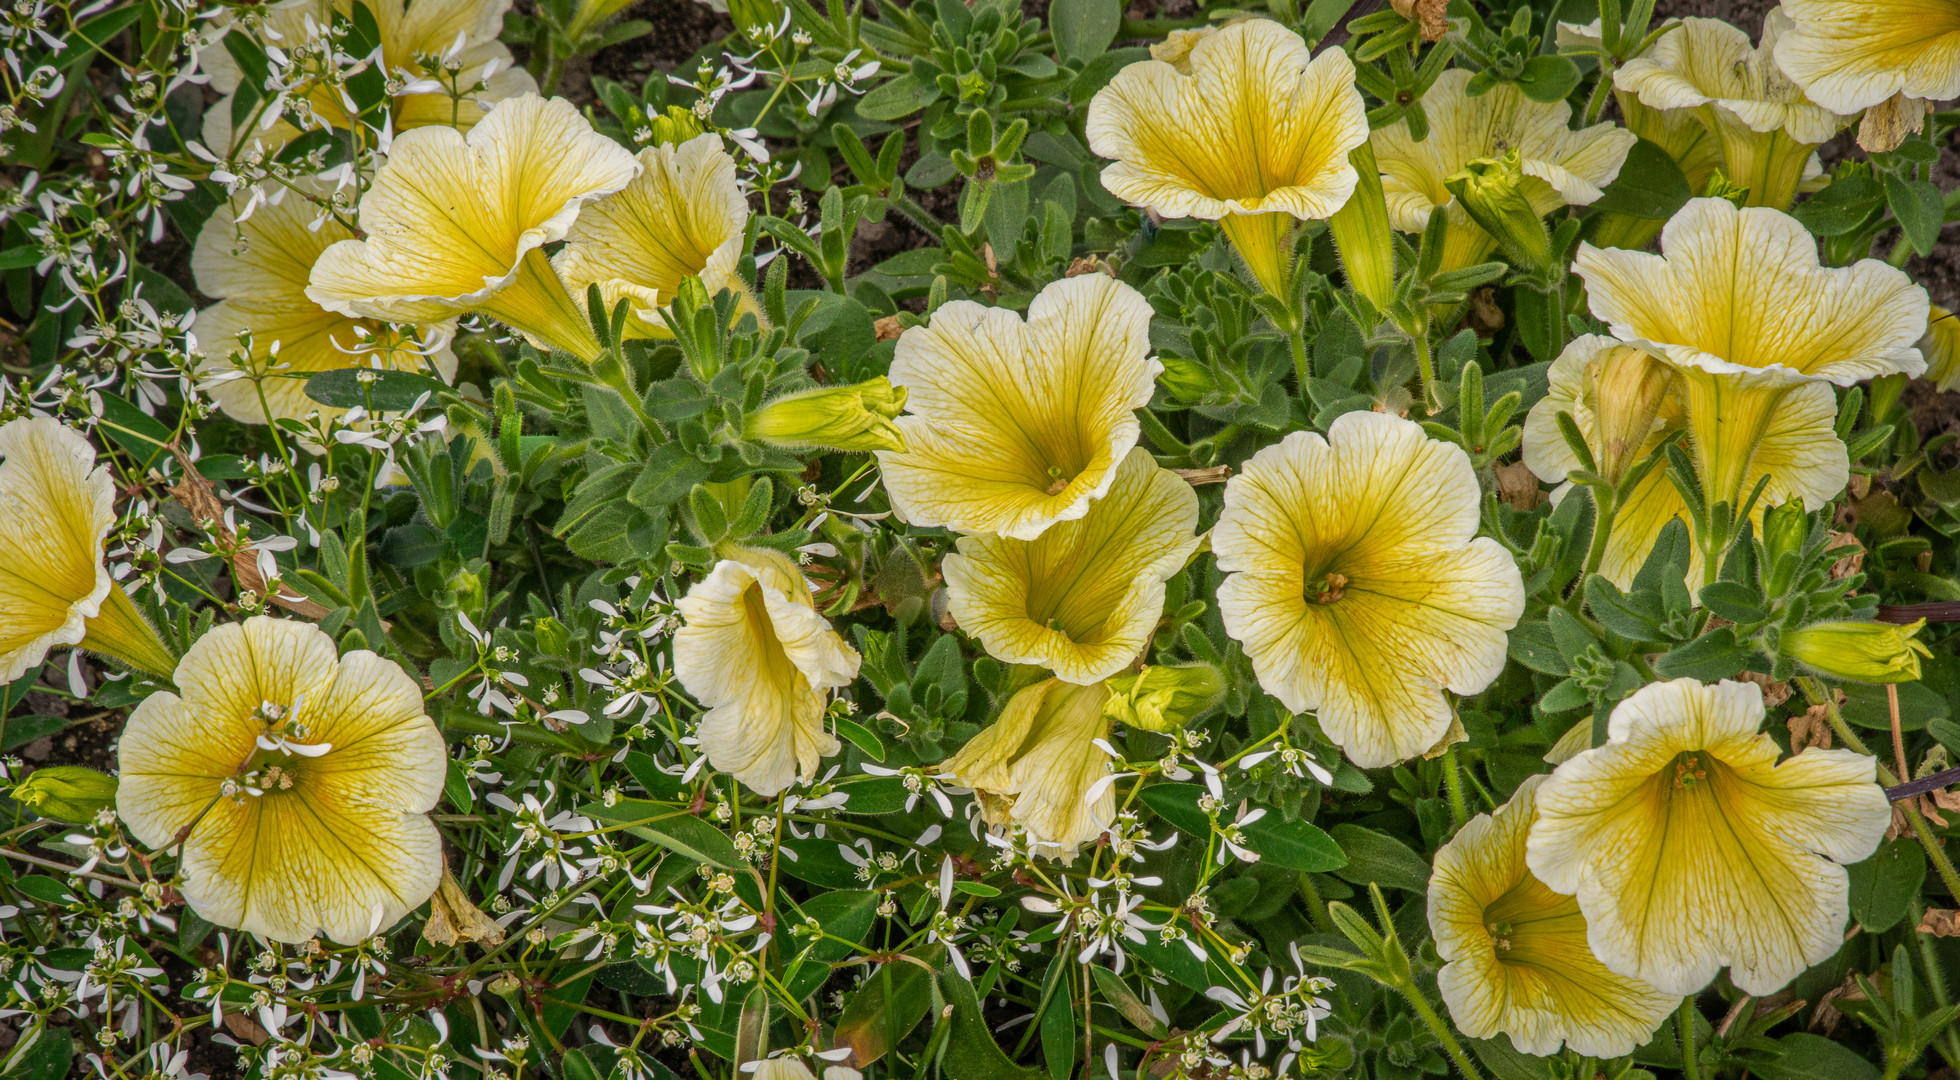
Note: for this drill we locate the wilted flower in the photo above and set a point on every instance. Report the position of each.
(1689, 846)
(298, 781)
(850, 418)
(1870, 652)
(1037, 765)
(66, 792)
(1252, 134)
(1894, 57)
(1082, 598)
(458, 223)
(1766, 130)
(682, 217)
(1561, 167)
(259, 269)
(1012, 426)
(762, 663)
(54, 587)
(1515, 952)
(1357, 583)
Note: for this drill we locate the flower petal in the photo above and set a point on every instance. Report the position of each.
(56, 506)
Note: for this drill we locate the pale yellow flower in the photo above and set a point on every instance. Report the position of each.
(1676, 131)
(682, 217)
(762, 663)
(1690, 847)
(56, 507)
(1254, 136)
(1767, 131)
(259, 270)
(1516, 954)
(1035, 766)
(1849, 55)
(1562, 167)
(1358, 585)
(304, 777)
(1740, 305)
(458, 223)
(409, 33)
(1012, 426)
(1798, 449)
(1082, 598)
(1941, 347)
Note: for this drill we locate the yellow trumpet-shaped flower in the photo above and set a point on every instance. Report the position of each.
(1515, 952)
(1673, 130)
(259, 267)
(410, 34)
(1358, 586)
(1690, 847)
(304, 778)
(1740, 306)
(1893, 57)
(1941, 347)
(1252, 133)
(682, 217)
(1083, 597)
(1562, 167)
(1012, 426)
(458, 223)
(1036, 765)
(56, 508)
(762, 662)
(1601, 377)
(1766, 129)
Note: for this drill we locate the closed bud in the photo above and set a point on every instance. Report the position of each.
(67, 793)
(1784, 530)
(1719, 186)
(1186, 380)
(855, 418)
(1163, 698)
(1625, 388)
(1491, 190)
(1869, 652)
(674, 127)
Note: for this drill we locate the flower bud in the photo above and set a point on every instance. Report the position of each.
(674, 127)
(67, 793)
(835, 417)
(1163, 698)
(1625, 388)
(1784, 530)
(1185, 380)
(1871, 652)
(1491, 190)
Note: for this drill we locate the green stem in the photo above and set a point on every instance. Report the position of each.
(1685, 1022)
(1605, 509)
(1316, 907)
(1297, 337)
(1453, 783)
(1442, 1032)
(1426, 367)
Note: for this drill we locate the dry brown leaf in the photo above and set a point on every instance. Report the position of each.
(1518, 487)
(1217, 474)
(1810, 729)
(244, 1027)
(1940, 922)
(1850, 564)
(453, 919)
(1891, 122)
(1774, 693)
(1427, 14)
(200, 497)
(887, 328)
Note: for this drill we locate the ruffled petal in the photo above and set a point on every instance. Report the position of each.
(56, 506)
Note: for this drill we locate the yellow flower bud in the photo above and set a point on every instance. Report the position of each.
(1492, 191)
(855, 418)
(1187, 380)
(674, 127)
(1163, 698)
(67, 793)
(1870, 652)
(1625, 389)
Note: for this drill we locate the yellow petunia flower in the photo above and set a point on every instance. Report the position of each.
(1358, 585)
(1892, 57)
(1798, 449)
(56, 507)
(1562, 167)
(1253, 134)
(410, 34)
(1012, 426)
(1676, 131)
(683, 217)
(1082, 598)
(1941, 347)
(1035, 766)
(761, 662)
(458, 223)
(1740, 306)
(259, 269)
(1515, 952)
(304, 777)
(1767, 131)
(1690, 847)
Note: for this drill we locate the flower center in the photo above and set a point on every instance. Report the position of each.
(1688, 772)
(1500, 935)
(1329, 589)
(1057, 483)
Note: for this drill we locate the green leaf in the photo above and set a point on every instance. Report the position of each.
(22, 730)
(1083, 29)
(886, 1007)
(1548, 78)
(387, 391)
(1294, 845)
(1714, 655)
(1118, 993)
(677, 831)
(1650, 185)
(971, 1053)
(1866, 706)
(1380, 858)
(897, 99)
(670, 473)
(1883, 886)
(845, 913)
(1058, 1019)
(1733, 601)
(876, 795)
(1803, 1056)
(1505, 1062)
(45, 1058)
(1841, 207)
(456, 787)
(1920, 210)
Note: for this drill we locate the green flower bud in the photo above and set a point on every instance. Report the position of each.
(1784, 530)
(1186, 380)
(1163, 698)
(677, 125)
(836, 418)
(1870, 652)
(1491, 190)
(67, 793)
